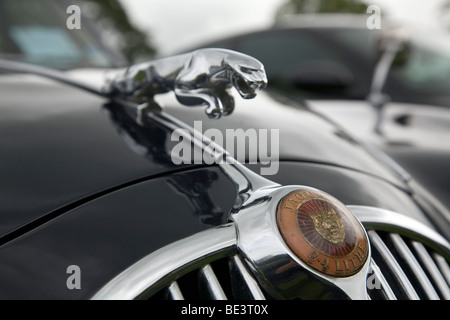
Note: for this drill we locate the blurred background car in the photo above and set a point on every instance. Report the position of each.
(40, 36)
(37, 33)
(333, 56)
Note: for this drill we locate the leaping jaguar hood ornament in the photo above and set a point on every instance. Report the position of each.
(202, 77)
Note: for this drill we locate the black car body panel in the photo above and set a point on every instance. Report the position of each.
(111, 232)
(58, 148)
(88, 179)
(414, 135)
(61, 146)
(83, 183)
(350, 186)
(107, 234)
(303, 133)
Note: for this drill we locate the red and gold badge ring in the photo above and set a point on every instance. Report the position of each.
(323, 233)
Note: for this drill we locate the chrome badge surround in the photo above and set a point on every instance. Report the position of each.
(280, 271)
(322, 232)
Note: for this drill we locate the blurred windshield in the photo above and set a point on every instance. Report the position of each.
(428, 66)
(36, 32)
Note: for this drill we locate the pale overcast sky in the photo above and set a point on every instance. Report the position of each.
(175, 24)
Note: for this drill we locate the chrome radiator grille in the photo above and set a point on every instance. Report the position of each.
(407, 257)
(409, 261)
(203, 266)
(409, 270)
(401, 268)
(223, 279)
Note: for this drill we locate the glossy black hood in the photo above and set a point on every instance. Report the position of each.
(61, 147)
(83, 184)
(304, 135)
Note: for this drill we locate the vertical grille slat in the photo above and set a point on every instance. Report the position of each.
(411, 255)
(432, 268)
(387, 290)
(252, 289)
(443, 266)
(393, 266)
(174, 292)
(210, 282)
(416, 270)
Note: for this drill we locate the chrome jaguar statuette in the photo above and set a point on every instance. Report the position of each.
(201, 77)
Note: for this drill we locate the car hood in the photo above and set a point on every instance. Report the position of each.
(415, 135)
(62, 147)
(304, 134)
(404, 124)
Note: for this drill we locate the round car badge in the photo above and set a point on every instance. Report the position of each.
(322, 232)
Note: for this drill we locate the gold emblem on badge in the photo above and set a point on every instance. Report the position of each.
(329, 226)
(322, 232)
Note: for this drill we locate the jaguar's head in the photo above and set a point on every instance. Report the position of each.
(247, 74)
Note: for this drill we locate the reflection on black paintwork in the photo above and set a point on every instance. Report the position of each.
(345, 136)
(148, 139)
(195, 187)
